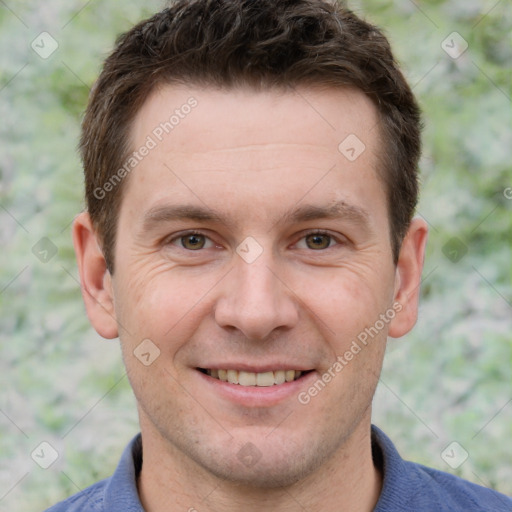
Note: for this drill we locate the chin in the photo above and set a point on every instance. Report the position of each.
(262, 476)
(277, 465)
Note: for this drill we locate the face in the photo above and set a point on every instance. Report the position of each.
(253, 247)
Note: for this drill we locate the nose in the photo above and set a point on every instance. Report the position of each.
(255, 300)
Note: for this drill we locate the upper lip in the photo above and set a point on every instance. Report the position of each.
(260, 368)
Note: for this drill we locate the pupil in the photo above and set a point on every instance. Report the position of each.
(194, 241)
(317, 240)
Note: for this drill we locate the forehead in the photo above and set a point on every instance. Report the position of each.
(228, 117)
(225, 144)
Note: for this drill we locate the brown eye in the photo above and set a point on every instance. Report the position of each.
(193, 241)
(318, 241)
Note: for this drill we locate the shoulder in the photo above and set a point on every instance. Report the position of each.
(451, 493)
(90, 499)
(115, 494)
(409, 486)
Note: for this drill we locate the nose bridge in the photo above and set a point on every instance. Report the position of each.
(254, 299)
(256, 283)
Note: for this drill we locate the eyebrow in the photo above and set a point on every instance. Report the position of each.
(338, 210)
(168, 213)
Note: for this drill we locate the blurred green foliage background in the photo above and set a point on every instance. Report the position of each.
(449, 380)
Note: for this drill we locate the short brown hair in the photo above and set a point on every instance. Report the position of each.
(261, 44)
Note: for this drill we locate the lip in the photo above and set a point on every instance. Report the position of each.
(257, 396)
(258, 368)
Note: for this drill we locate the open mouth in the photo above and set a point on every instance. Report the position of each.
(264, 379)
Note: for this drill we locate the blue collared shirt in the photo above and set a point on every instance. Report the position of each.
(407, 487)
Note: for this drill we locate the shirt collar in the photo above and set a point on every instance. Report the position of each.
(121, 493)
(401, 482)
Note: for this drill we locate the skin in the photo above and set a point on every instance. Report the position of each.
(253, 157)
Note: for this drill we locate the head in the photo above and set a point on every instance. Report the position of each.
(248, 236)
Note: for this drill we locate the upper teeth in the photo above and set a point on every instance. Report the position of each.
(255, 379)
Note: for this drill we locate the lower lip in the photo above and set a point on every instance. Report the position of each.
(258, 396)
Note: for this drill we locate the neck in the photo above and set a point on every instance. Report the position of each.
(348, 481)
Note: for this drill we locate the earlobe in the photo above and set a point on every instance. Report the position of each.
(408, 278)
(95, 279)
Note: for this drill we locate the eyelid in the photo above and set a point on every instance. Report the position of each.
(177, 236)
(339, 239)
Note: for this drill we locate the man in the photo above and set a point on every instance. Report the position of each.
(251, 179)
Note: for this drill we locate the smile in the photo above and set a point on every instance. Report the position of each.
(264, 379)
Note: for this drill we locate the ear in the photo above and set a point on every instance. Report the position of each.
(95, 279)
(408, 278)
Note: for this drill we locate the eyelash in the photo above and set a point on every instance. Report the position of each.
(308, 233)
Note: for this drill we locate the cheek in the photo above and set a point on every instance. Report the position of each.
(345, 300)
(155, 303)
